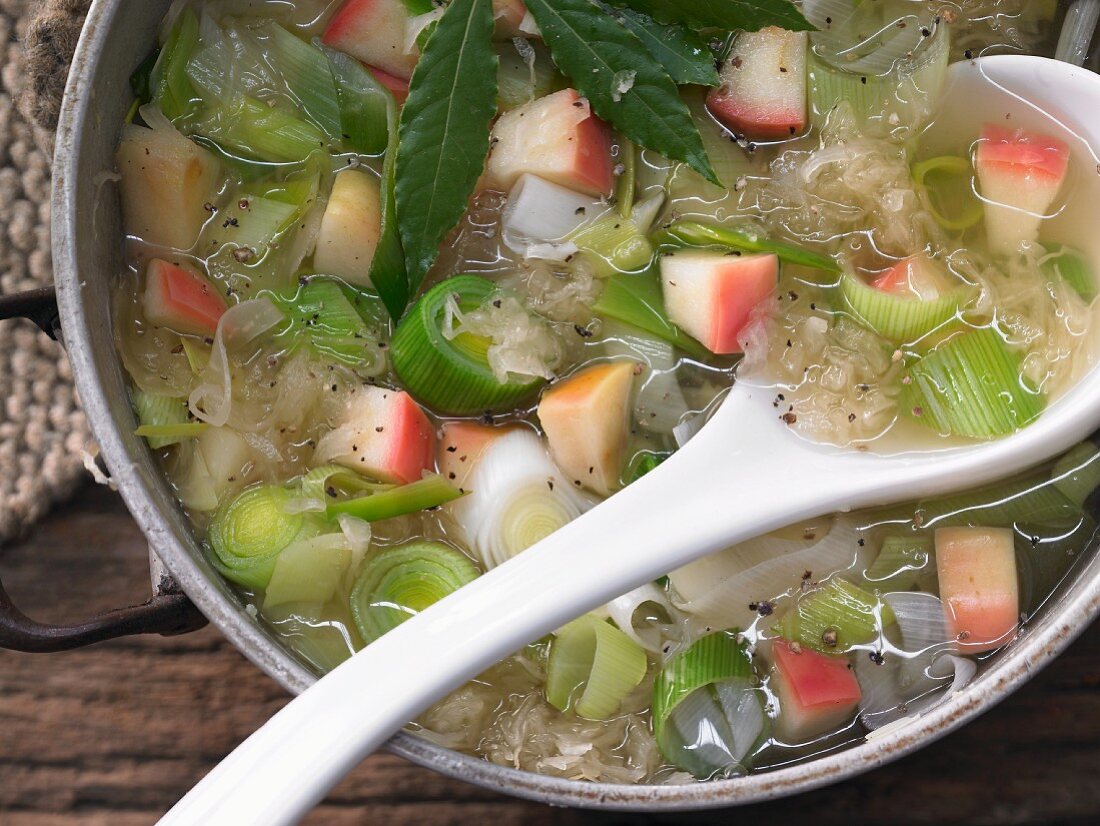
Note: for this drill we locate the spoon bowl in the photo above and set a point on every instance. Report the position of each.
(743, 475)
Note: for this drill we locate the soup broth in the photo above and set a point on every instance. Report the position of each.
(350, 453)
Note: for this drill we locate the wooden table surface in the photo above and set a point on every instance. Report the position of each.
(116, 733)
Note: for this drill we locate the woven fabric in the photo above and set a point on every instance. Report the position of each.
(42, 430)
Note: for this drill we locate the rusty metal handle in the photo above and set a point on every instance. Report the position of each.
(166, 613)
(39, 306)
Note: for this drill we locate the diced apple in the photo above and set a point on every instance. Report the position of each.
(978, 586)
(557, 138)
(587, 422)
(817, 693)
(180, 299)
(385, 436)
(398, 87)
(711, 295)
(461, 447)
(167, 183)
(509, 15)
(919, 276)
(763, 91)
(1020, 174)
(350, 228)
(375, 32)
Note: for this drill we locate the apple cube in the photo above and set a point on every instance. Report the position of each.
(167, 183)
(385, 435)
(556, 138)
(763, 90)
(350, 228)
(817, 693)
(375, 32)
(462, 445)
(587, 423)
(711, 295)
(398, 87)
(180, 299)
(978, 586)
(1020, 174)
(509, 15)
(916, 277)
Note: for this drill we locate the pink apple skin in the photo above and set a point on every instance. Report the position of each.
(763, 93)
(373, 31)
(181, 300)
(817, 693)
(711, 295)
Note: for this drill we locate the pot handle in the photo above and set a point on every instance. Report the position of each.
(38, 306)
(164, 614)
(167, 613)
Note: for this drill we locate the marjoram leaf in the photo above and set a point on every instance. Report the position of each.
(626, 86)
(751, 15)
(445, 128)
(683, 52)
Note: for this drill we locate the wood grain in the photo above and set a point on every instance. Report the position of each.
(115, 734)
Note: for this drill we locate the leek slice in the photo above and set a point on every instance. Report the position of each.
(620, 244)
(162, 435)
(1071, 266)
(323, 481)
(626, 185)
(593, 667)
(309, 572)
(636, 299)
(694, 234)
(835, 617)
(903, 563)
(164, 420)
(453, 375)
(708, 717)
(398, 583)
(169, 85)
(1032, 499)
(366, 107)
(643, 463)
(896, 85)
(946, 186)
(971, 386)
(429, 492)
(248, 533)
(901, 319)
(307, 75)
(324, 318)
(1077, 474)
(261, 132)
(518, 497)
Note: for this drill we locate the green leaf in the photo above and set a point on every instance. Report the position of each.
(685, 54)
(626, 87)
(445, 128)
(751, 15)
(388, 271)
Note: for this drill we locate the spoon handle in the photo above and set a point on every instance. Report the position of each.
(696, 503)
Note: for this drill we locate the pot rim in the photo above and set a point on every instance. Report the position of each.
(1061, 621)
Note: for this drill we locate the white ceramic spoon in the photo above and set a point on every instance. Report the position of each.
(745, 474)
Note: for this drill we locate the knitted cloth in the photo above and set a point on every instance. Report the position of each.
(43, 432)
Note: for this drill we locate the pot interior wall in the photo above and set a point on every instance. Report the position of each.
(89, 256)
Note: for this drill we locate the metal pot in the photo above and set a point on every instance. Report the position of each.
(88, 252)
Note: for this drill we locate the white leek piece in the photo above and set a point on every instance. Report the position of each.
(517, 497)
(718, 590)
(540, 216)
(647, 616)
